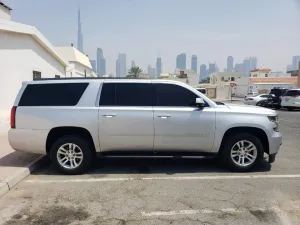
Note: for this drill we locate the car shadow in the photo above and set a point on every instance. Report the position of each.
(169, 166)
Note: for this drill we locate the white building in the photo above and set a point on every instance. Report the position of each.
(229, 84)
(265, 84)
(265, 72)
(24, 54)
(78, 63)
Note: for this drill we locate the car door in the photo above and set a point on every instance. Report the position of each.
(179, 124)
(126, 116)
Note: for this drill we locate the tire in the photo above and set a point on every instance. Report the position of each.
(259, 103)
(230, 146)
(82, 155)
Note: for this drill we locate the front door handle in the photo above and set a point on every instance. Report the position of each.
(109, 115)
(164, 116)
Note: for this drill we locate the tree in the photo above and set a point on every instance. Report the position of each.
(134, 72)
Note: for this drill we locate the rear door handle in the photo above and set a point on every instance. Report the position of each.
(109, 115)
(164, 116)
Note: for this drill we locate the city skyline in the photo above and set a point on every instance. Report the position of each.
(214, 42)
(101, 63)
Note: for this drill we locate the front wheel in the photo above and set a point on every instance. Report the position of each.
(71, 154)
(242, 152)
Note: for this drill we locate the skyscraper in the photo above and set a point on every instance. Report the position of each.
(79, 34)
(94, 66)
(158, 67)
(253, 63)
(247, 66)
(203, 74)
(194, 63)
(101, 63)
(229, 64)
(121, 70)
(181, 61)
(133, 64)
(212, 68)
(296, 60)
(239, 67)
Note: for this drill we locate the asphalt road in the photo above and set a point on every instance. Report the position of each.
(164, 191)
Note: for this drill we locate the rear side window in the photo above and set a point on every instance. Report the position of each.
(63, 94)
(292, 93)
(174, 95)
(126, 94)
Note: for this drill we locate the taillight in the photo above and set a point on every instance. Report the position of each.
(13, 117)
(250, 98)
(296, 96)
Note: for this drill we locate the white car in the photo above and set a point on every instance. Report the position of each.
(253, 100)
(251, 94)
(291, 99)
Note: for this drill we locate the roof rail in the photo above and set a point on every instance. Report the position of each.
(86, 78)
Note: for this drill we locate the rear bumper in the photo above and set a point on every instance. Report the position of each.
(275, 141)
(25, 140)
(290, 104)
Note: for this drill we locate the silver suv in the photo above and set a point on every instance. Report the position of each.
(73, 119)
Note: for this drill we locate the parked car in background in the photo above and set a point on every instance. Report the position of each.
(277, 94)
(201, 90)
(251, 94)
(254, 100)
(291, 99)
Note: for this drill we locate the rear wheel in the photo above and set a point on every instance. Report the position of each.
(71, 154)
(242, 152)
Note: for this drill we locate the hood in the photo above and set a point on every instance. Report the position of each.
(250, 109)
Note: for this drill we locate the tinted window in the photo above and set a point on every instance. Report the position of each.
(126, 94)
(292, 93)
(107, 97)
(264, 96)
(63, 94)
(174, 95)
(277, 92)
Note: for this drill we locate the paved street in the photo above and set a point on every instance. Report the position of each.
(164, 191)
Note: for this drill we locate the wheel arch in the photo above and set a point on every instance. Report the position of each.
(57, 132)
(257, 132)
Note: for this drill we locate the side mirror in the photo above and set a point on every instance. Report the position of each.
(200, 102)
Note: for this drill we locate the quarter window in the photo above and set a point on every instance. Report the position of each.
(174, 95)
(63, 94)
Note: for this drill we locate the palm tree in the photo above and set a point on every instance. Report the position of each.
(134, 72)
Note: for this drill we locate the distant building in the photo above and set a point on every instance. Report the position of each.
(229, 64)
(79, 64)
(94, 66)
(121, 69)
(101, 63)
(265, 84)
(158, 67)
(239, 68)
(194, 63)
(289, 68)
(25, 54)
(133, 64)
(253, 63)
(212, 68)
(79, 34)
(247, 67)
(151, 72)
(222, 80)
(203, 72)
(296, 60)
(265, 72)
(186, 76)
(181, 61)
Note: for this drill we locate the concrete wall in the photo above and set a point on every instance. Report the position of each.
(76, 69)
(266, 88)
(4, 13)
(20, 54)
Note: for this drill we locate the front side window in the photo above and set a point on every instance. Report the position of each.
(126, 94)
(174, 95)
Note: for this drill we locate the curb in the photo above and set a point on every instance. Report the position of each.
(17, 177)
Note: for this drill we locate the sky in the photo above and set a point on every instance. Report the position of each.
(146, 29)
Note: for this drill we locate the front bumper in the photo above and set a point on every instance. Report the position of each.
(275, 141)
